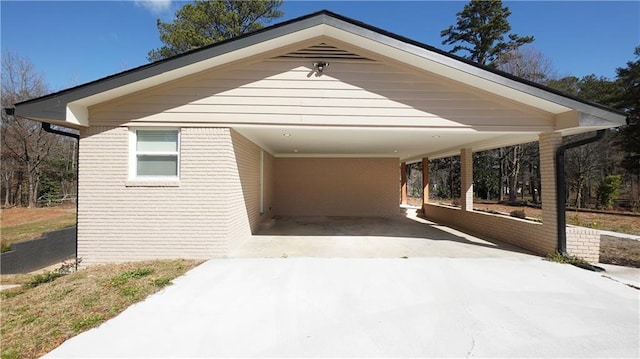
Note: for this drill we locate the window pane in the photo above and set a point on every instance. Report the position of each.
(156, 141)
(157, 165)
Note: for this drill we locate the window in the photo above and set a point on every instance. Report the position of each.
(155, 154)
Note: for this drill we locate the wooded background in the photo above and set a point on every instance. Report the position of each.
(39, 168)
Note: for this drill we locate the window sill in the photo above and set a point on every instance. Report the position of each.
(152, 183)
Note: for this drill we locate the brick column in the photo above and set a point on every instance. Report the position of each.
(425, 180)
(549, 143)
(466, 172)
(403, 183)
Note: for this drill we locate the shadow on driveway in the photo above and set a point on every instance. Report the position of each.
(369, 237)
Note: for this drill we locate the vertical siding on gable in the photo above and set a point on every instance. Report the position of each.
(336, 186)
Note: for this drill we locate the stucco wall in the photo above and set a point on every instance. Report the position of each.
(200, 216)
(336, 186)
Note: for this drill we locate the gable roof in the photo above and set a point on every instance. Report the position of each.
(70, 107)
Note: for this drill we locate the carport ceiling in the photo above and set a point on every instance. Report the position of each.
(408, 144)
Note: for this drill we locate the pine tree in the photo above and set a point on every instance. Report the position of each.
(480, 30)
(208, 21)
(629, 100)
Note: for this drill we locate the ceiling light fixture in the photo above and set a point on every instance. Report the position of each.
(320, 66)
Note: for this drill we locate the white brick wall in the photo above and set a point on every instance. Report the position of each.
(521, 233)
(548, 144)
(584, 243)
(466, 173)
(244, 194)
(120, 220)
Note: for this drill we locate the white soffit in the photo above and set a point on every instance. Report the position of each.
(405, 143)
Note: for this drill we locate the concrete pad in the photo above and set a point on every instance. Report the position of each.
(368, 237)
(626, 275)
(355, 307)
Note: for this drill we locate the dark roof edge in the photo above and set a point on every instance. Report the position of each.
(170, 59)
(338, 17)
(472, 63)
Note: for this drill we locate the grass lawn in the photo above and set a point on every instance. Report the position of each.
(35, 320)
(19, 224)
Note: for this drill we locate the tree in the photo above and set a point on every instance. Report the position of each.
(480, 30)
(444, 177)
(628, 141)
(608, 190)
(25, 146)
(204, 22)
(527, 63)
(486, 181)
(587, 165)
(629, 101)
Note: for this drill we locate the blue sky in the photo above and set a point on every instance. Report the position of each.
(75, 42)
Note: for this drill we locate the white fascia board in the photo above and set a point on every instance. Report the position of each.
(77, 115)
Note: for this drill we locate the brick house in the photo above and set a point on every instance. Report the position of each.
(315, 116)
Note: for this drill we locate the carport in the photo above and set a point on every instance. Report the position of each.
(400, 236)
(313, 117)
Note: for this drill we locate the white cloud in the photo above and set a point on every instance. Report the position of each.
(155, 6)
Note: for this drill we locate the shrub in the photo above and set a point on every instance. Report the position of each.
(124, 277)
(5, 246)
(49, 276)
(564, 258)
(161, 282)
(518, 213)
(608, 190)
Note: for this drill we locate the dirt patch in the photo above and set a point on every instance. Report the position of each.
(620, 251)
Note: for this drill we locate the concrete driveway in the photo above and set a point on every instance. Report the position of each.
(380, 307)
(369, 237)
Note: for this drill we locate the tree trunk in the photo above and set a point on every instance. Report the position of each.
(501, 179)
(30, 195)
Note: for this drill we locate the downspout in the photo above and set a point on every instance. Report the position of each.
(561, 192)
(47, 128)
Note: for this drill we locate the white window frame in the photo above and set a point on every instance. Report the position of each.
(133, 154)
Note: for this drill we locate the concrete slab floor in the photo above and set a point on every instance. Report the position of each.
(368, 237)
(384, 307)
